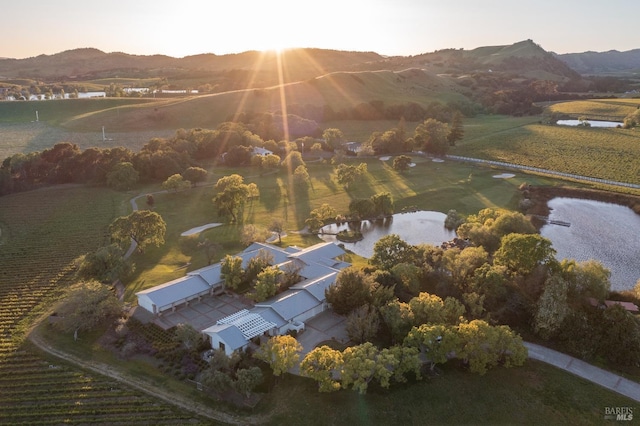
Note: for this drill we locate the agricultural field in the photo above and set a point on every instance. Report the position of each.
(603, 109)
(41, 233)
(612, 154)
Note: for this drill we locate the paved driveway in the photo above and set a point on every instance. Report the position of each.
(326, 326)
(202, 314)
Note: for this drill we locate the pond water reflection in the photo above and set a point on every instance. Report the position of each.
(415, 228)
(605, 232)
(592, 123)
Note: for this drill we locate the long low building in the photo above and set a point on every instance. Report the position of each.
(318, 267)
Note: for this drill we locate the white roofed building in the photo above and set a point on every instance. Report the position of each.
(318, 266)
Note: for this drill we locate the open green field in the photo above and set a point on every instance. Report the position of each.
(612, 154)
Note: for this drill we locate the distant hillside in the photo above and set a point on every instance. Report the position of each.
(611, 62)
(85, 64)
(523, 58)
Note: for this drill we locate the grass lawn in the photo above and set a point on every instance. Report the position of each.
(533, 394)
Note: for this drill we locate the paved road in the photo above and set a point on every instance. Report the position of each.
(589, 372)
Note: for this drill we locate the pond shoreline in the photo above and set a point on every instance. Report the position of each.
(541, 195)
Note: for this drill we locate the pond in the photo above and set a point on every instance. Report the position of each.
(414, 228)
(606, 232)
(593, 123)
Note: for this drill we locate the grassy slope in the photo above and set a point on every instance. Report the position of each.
(530, 394)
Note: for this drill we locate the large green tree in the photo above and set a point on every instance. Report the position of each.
(280, 352)
(432, 136)
(142, 226)
(231, 271)
(353, 288)
(87, 306)
(391, 250)
(232, 194)
(122, 176)
(522, 253)
(323, 365)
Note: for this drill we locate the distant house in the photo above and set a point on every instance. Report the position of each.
(318, 266)
(260, 151)
(628, 306)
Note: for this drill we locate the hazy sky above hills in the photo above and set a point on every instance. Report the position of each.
(388, 27)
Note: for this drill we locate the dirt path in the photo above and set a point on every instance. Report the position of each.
(153, 390)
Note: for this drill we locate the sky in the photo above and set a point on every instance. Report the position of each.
(388, 27)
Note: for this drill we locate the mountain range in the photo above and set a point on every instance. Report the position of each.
(524, 58)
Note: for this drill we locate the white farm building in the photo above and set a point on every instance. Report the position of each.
(318, 266)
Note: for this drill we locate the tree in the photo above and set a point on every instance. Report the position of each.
(88, 305)
(462, 264)
(123, 176)
(231, 271)
(429, 308)
(176, 183)
(142, 226)
(267, 283)
(522, 253)
(348, 173)
(280, 352)
(363, 324)
(456, 132)
(382, 204)
(105, 264)
(217, 380)
(322, 365)
(318, 216)
(352, 289)
(301, 177)
(453, 220)
(401, 163)
(553, 307)
(437, 342)
(195, 175)
(431, 136)
(150, 201)
(277, 227)
(334, 138)
(361, 208)
(389, 251)
(483, 346)
(620, 337)
(270, 161)
(292, 161)
(187, 336)
(409, 275)
(247, 379)
(231, 197)
(398, 318)
(253, 233)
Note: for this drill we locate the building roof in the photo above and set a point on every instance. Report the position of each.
(250, 324)
(317, 252)
(317, 287)
(176, 290)
(290, 304)
(631, 307)
(231, 335)
(211, 274)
